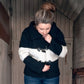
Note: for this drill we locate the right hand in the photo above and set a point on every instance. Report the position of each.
(48, 38)
(46, 68)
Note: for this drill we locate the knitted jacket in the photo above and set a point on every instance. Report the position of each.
(35, 52)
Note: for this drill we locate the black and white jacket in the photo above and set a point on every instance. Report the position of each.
(35, 52)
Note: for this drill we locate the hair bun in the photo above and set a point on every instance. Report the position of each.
(49, 6)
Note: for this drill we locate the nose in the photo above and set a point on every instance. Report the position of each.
(45, 32)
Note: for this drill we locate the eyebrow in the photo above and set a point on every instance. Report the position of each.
(43, 28)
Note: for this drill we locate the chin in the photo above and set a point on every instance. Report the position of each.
(44, 35)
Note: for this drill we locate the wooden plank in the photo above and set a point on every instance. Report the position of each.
(62, 22)
(14, 21)
(31, 10)
(58, 20)
(22, 22)
(17, 66)
(71, 28)
(36, 5)
(67, 27)
(18, 19)
(27, 9)
(78, 37)
(66, 66)
(40, 3)
(5, 64)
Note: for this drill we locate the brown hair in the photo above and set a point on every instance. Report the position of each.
(49, 6)
(44, 16)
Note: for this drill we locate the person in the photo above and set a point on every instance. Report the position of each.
(41, 45)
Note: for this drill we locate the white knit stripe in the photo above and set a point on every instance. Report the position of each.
(50, 56)
(41, 56)
(64, 51)
(23, 53)
(37, 55)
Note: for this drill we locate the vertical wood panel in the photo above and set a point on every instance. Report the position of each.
(18, 18)
(14, 20)
(26, 11)
(67, 28)
(36, 5)
(58, 20)
(65, 65)
(17, 68)
(40, 3)
(5, 63)
(71, 28)
(79, 42)
(22, 22)
(31, 10)
(62, 22)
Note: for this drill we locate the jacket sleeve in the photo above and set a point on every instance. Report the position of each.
(24, 55)
(58, 44)
(33, 64)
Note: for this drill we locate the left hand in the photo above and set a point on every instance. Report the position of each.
(48, 38)
(46, 68)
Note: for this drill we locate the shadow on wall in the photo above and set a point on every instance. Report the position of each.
(4, 24)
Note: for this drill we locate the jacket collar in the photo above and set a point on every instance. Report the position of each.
(33, 32)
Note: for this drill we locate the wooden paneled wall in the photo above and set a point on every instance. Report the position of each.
(5, 63)
(79, 49)
(79, 41)
(5, 60)
(23, 13)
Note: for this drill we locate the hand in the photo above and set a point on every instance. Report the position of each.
(46, 68)
(48, 38)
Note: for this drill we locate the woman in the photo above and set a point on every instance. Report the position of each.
(42, 43)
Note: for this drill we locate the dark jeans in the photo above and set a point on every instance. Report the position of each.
(34, 80)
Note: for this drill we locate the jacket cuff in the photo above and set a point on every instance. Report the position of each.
(33, 64)
(55, 47)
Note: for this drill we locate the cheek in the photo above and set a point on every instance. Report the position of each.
(48, 31)
(40, 31)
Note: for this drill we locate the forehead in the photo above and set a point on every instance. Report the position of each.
(44, 25)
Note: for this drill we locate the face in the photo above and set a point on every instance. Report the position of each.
(43, 28)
